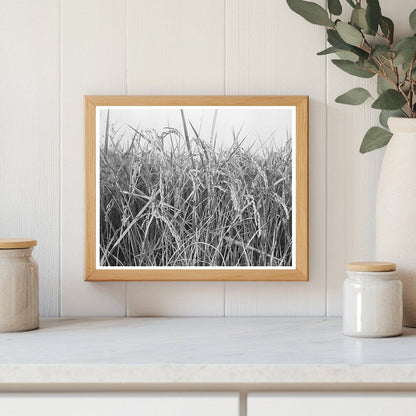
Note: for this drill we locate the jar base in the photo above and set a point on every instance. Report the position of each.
(373, 335)
(9, 331)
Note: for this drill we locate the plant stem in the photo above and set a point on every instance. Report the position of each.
(411, 90)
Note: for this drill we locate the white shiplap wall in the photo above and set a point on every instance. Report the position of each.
(29, 138)
(56, 51)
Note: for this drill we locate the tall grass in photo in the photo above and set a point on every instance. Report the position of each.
(172, 198)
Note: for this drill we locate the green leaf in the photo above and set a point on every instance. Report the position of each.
(327, 51)
(375, 138)
(351, 3)
(389, 100)
(386, 114)
(335, 40)
(383, 84)
(347, 55)
(405, 51)
(412, 20)
(370, 64)
(356, 96)
(352, 68)
(358, 18)
(350, 56)
(373, 15)
(311, 12)
(334, 7)
(349, 34)
(381, 50)
(409, 42)
(387, 27)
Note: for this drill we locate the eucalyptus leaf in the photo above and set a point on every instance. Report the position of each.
(358, 18)
(405, 51)
(356, 96)
(412, 20)
(389, 72)
(405, 43)
(389, 100)
(360, 52)
(327, 51)
(387, 27)
(347, 55)
(352, 68)
(334, 7)
(311, 12)
(375, 138)
(335, 40)
(349, 34)
(383, 84)
(370, 64)
(373, 15)
(381, 50)
(386, 114)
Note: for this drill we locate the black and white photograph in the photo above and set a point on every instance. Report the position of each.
(195, 187)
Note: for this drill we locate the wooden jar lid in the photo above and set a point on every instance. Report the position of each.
(371, 266)
(12, 243)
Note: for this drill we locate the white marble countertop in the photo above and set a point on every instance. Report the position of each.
(204, 351)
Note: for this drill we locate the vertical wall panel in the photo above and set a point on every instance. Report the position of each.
(271, 50)
(175, 47)
(29, 142)
(93, 58)
(352, 177)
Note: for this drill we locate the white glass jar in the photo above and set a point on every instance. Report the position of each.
(372, 300)
(19, 286)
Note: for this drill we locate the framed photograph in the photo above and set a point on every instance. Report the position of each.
(196, 188)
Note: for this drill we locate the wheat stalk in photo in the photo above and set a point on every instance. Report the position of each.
(172, 198)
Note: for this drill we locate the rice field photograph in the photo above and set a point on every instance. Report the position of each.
(195, 187)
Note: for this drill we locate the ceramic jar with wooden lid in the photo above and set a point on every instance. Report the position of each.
(19, 286)
(372, 300)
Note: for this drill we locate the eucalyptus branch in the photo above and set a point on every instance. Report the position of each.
(395, 71)
(385, 75)
(365, 43)
(411, 82)
(405, 96)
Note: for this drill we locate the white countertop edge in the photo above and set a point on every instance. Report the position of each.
(203, 351)
(206, 374)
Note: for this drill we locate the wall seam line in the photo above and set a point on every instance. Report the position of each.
(126, 92)
(225, 47)
(60, 164)
(326, 181)
(224, 295)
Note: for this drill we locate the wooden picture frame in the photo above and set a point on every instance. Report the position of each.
(98, 266)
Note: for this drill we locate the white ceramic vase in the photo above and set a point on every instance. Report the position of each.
(396, 210)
